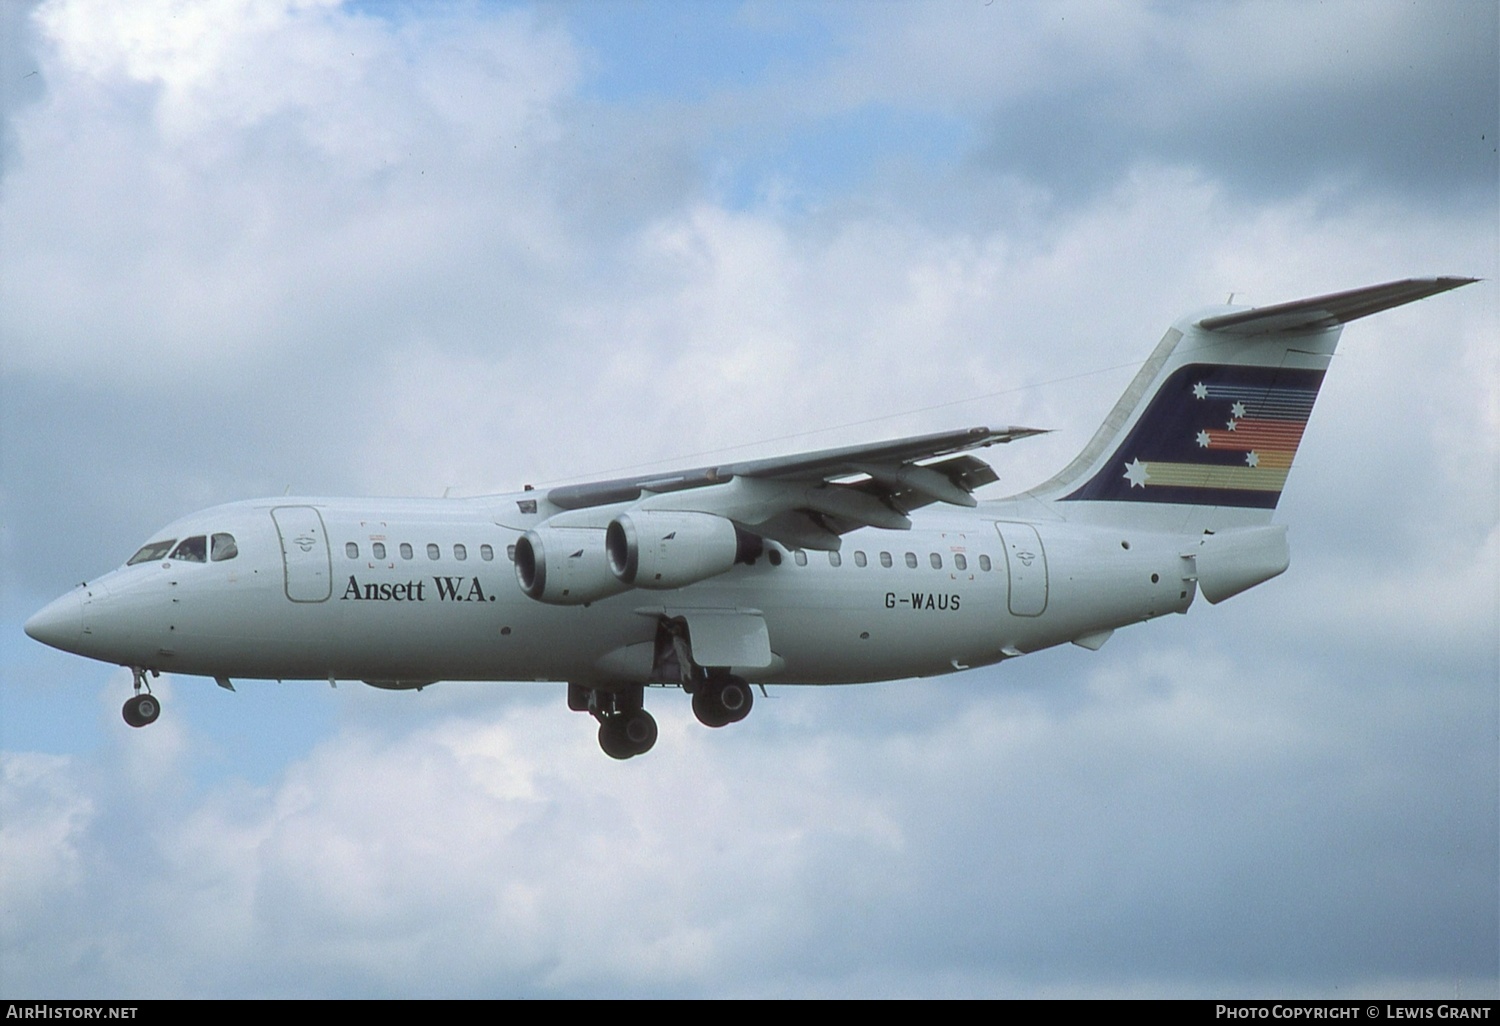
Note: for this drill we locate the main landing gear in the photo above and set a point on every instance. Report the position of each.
(143, 709)
(626, 729)
(720, 701)
(719, 698)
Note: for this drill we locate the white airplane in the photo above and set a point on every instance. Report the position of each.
(868, 563)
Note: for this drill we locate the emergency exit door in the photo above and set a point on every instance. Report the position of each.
(1026, 562)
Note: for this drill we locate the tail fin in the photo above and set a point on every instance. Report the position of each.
(1205, 435)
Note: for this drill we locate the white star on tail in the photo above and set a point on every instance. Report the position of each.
(1203, 439)
(1237, 411)
(1252, 459)
(1200, 391)
(1135, 473)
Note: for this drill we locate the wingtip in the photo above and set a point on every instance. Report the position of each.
(1446, 282)
(1009, 434)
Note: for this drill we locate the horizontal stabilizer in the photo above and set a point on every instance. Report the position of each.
(1331, 310)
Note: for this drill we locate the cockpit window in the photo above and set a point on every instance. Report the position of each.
(152, 552)
(224, 547)
(192, 550)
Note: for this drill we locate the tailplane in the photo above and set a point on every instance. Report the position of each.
(1204, 437)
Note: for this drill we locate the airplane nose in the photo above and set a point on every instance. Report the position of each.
(59, 624)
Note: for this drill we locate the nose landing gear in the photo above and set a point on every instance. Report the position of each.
(143, 709)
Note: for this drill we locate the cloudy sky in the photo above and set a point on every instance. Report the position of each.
(398, 249)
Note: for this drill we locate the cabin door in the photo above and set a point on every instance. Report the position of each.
(304, 553)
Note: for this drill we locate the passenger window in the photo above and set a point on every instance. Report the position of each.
(151, 553)
(192, 550)
(487, 553)
(911, 560)
(959, 561)
(460, 553)
(510, 553)
(800, 557)
(937, 560)
(406, 550)
(351, 550)
(834, 559)
(774, 556)
(984, 563)
(859, 558)
(433, 552)
(378, 548)
(885, 560)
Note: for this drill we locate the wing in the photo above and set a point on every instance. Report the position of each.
(808, 500)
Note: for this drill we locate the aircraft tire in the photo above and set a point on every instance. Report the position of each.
(708, 709)
(613, 740)
(722, 702)
(639, 730)
(736, 698)
(141, 710)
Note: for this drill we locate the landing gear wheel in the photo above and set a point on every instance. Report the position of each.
(141, 710)
(625, 735)
(613, 740)
(639, 729)
(736, 698)
(708, 710)
(722, 702)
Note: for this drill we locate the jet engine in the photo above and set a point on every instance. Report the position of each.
(661, 549)
(565, 566)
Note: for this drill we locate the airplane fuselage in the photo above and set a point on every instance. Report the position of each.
(441, 601)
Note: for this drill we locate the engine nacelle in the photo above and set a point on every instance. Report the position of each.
(565, 566)
(661, 549)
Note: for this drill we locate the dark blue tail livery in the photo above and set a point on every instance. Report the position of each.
(1213, 434)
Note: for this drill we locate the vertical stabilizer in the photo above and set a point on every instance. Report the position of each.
(1206, 434)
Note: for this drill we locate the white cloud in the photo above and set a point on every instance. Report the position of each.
(991, 55)
(42, 810)
(277, 162)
